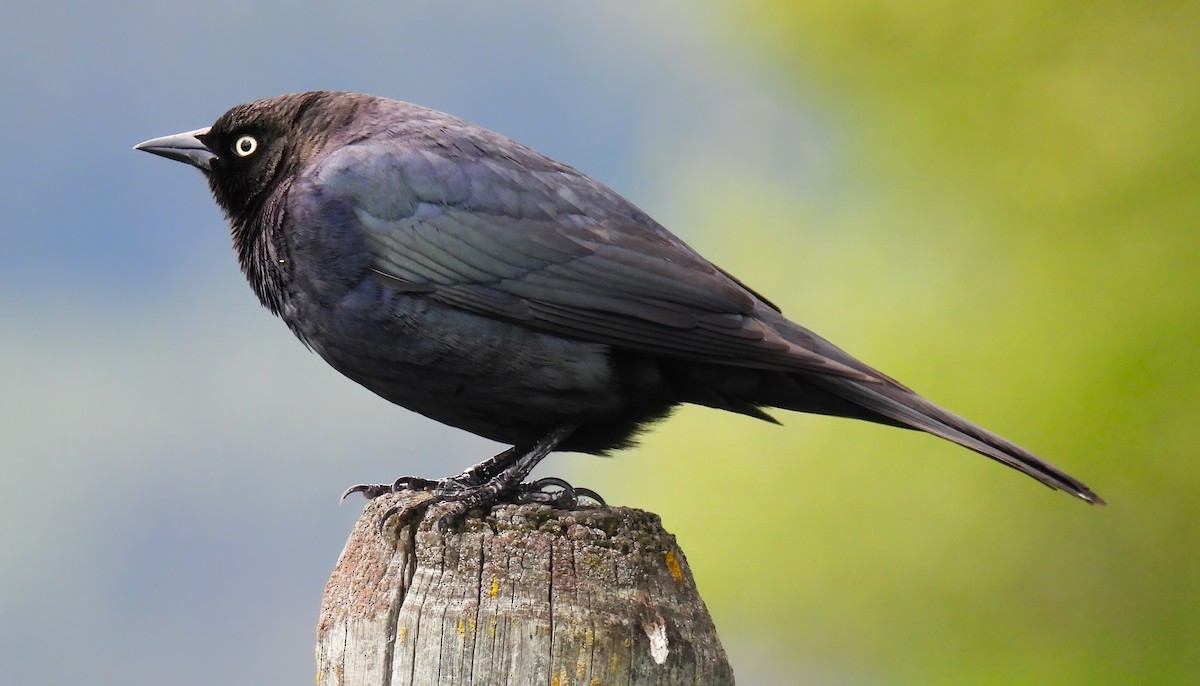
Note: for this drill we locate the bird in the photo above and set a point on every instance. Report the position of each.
(464, 276)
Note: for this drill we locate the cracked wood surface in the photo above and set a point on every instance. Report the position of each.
(525, 595)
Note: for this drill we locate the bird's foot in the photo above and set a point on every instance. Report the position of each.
(497, 479)
(555, 492)
(456, 496)
(456, 499)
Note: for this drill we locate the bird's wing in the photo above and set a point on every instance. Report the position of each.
(552, 250)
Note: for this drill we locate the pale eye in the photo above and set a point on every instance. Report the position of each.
(245, 146)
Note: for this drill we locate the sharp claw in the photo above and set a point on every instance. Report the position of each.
(387, 515)
(590, 495)
(403, 512)
(541, 484)
(369, 491)
(454, 512)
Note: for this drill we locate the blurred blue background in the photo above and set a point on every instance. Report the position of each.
(995, 203)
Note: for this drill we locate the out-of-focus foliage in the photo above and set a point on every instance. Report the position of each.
(1016, 233)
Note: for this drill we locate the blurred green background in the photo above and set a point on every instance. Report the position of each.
(994, 202)
(1017, 236)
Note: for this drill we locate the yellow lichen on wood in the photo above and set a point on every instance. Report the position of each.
(673, 566)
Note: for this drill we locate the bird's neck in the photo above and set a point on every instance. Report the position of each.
(262, 254)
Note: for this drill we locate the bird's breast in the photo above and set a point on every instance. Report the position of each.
(491, 377)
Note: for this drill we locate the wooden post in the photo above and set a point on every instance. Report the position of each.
(524, 595)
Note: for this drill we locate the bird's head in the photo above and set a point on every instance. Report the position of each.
(253, 147)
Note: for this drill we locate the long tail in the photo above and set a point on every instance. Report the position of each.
(900, 405)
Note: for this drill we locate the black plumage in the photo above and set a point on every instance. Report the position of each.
(471, 279)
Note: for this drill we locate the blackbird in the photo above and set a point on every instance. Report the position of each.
(467, 277)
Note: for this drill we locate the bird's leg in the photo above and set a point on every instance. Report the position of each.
(488, 469)
(474, 476)
(486, 482)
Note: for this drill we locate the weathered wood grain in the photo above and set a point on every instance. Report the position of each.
(525, 595)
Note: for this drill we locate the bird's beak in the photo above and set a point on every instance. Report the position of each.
(182, 147)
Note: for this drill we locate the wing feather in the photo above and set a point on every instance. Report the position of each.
(554, 251)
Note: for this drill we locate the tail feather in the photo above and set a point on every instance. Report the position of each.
(909, 409)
